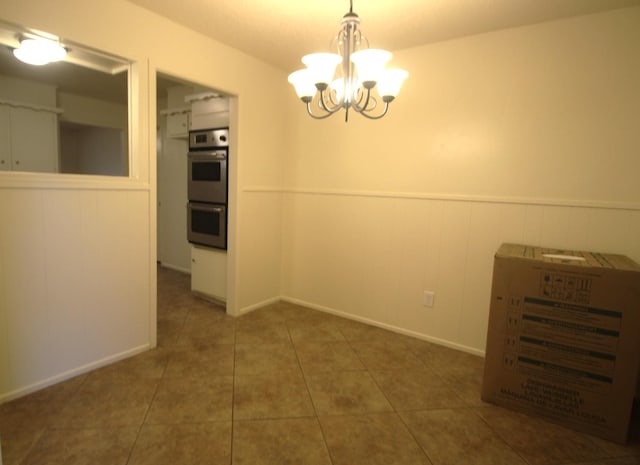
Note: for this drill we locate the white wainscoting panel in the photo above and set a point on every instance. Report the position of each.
(372, 257)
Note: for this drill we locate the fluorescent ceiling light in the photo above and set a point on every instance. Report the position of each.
(39, 51)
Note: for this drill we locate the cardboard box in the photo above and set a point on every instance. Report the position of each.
(564, 337)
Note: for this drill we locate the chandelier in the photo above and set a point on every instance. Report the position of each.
(362, 84)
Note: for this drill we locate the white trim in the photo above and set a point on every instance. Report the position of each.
(23, 391)
(256, 306)
(613, 205)
(265, 189)
(201, 96)
(169, 266)
(25, 180)
(395, 329)
(31, 106)
(175, 111)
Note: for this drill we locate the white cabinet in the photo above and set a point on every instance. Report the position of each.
(209, 272)
(177, 122)
(208, 110)
(28, 139)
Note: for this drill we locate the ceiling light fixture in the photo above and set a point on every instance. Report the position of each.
(361, 72)
(39, 51)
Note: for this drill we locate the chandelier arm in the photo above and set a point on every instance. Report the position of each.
(333, 102)
(384, 112)
(358, 99)
(322, 104)
(374, 104)
(323, 107)
(362, 108)
(316, 116)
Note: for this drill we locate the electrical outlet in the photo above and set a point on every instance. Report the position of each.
(427, 299)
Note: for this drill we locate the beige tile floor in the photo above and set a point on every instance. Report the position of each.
(283, 385)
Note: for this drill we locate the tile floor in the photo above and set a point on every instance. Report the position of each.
(283, 385)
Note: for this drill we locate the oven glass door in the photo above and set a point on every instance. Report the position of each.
(207, 177)
(207, 224)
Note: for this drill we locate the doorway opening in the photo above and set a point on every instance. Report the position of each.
(181, 107)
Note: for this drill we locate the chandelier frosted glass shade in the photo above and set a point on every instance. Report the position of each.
(390, 82)
(355, 78)
(321, 66)
(303, 83)
(39, 51)
(370, 64)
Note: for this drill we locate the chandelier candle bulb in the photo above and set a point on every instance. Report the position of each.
(362, 80)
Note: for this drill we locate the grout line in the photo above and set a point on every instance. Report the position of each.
(233, 397)
(499, 436)
(304, 375)
(313, 404)
(159, 381)
(153, 398)
(426, 454)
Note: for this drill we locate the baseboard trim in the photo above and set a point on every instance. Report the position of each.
(23, 391)
(174, 267)
(395, 329)
(264, 303)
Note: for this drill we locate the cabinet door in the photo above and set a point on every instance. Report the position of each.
(178, 125)
(209, 272)
(5, 138)
(34, 140)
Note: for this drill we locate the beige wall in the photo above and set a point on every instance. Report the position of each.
(525, 135)
(77, 254)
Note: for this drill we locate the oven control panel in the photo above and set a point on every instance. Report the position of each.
(205, 139)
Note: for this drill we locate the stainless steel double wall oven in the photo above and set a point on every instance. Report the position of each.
(207, 187)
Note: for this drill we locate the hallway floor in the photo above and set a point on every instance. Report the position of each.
(283, 385)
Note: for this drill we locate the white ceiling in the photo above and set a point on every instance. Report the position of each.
(281, 31)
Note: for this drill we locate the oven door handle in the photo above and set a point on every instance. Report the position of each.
(206, 207)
